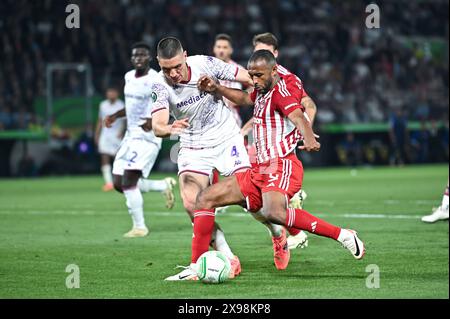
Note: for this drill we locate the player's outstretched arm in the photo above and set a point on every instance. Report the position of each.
(238, 97)
(310, 108)
(162, 128)
(243, 77)
(109, 120)
(304, 126)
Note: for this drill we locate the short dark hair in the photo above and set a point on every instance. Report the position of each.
(224, 36)
(112, 88)
(141, 45)
(264, 55)
(266, 38)
(169, 47)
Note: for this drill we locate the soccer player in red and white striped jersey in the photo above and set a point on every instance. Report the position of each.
(279, 124)
(268, 41)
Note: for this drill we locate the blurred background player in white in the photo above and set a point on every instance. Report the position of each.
(108, 139)
(140, 146)
(223, 50)
(440, 213)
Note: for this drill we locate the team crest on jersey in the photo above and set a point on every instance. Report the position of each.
(154, 96)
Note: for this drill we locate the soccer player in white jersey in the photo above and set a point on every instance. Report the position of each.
(209, 136)
(108, 139)
(140, 146)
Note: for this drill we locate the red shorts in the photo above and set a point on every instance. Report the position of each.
(282, 175)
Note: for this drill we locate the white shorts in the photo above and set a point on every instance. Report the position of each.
(135, 154)
(227, 158)
(108, 145)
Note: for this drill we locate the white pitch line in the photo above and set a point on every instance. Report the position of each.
(316, 202)
(178, 214)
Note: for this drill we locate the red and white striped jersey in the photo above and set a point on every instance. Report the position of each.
(274, 134)
(291, 78)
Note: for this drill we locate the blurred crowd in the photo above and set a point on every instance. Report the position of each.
(355, 74)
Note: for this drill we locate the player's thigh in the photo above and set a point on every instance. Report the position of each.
(191, 184)
(232, 156)
(226, 192)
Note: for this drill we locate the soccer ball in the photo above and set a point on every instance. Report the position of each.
(213, 267)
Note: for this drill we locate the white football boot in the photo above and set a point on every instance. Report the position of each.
(301, 239)
(168, 193)
(188, 273)
(298, 241)
(298, 199)
(349, 239)
(440, 213)
(136, 232)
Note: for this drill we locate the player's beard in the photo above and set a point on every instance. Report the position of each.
(267, 86)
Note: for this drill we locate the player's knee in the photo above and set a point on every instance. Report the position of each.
(275, 216)
(117, 182)
(118, 187)
(189, 205)
(203, 201)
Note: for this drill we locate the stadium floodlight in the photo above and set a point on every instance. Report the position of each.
(88, 92)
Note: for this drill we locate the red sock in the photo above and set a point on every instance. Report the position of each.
(215, 178)
(203, 228)
(303, 220)
(293, 231)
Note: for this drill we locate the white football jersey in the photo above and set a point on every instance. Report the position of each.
(211, 121)
(138, 104)
(107, 108)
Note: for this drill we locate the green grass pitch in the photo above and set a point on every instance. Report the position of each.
(49, 223)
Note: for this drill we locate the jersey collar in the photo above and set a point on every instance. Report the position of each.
(189, 75)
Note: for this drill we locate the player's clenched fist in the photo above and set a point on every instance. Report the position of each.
(310, 146)
(109, 120)
(206, 84)
(179, 125)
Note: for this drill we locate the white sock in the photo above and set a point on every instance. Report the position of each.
(135, 204)
(148, 185)
(220, 243)
(274, 229)
(107, 175)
